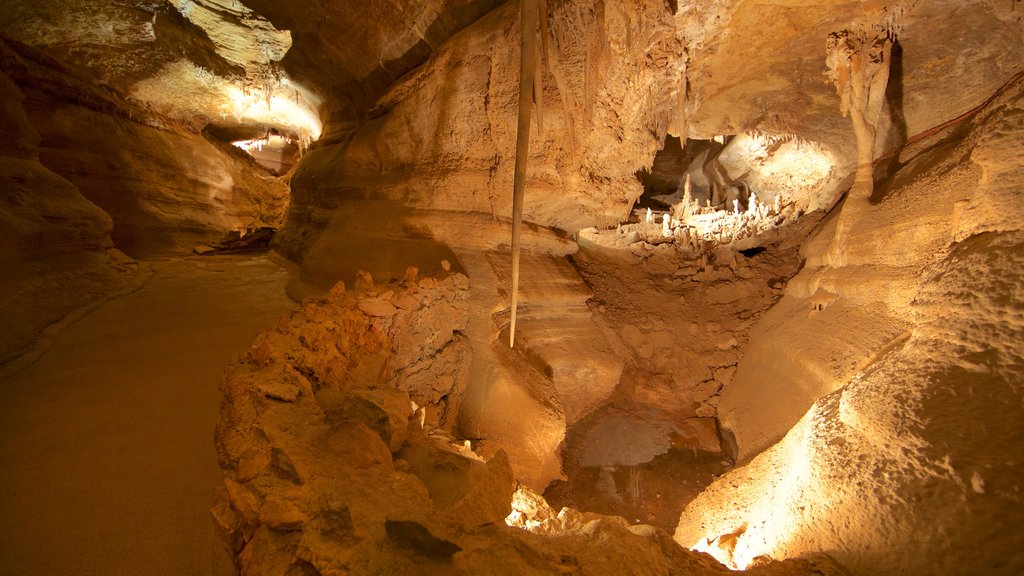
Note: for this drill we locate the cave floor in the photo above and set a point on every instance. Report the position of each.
(106, 442)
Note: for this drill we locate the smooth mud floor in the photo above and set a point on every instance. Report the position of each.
(107, 461)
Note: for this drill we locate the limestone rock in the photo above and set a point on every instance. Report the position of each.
(418, 539)
(869, 470)
(385, 411)
(281, 515)
(324, 492)
(702, 433)
(54, 244)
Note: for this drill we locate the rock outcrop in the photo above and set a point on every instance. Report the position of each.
(164, 188)
(890, 376)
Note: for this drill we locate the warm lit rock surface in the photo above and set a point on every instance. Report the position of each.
(330, 468)
(619, 362)
(85, 176)
(429, 173)
(910, 461)
(681, 326)
(443, 136)
(164, 188)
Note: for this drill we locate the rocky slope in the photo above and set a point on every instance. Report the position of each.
(337, 461)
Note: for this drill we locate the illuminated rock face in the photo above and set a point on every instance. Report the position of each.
(416, 105)
(165, 189)
(908, 461)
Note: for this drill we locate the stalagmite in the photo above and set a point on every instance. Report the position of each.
(666, 230)
(683, 208)
(527, 93)
(650, 217)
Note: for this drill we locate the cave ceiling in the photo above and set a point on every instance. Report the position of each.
(315, 66)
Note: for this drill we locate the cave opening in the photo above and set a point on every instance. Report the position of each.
(273, 151)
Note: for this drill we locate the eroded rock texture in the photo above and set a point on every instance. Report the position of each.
(444, 136)
(118, 116)
(55, 245)
(908, 357)
(92, 175)
(426, 176)
(332, 469)
(164, 188)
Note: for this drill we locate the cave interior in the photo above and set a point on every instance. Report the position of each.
(525, 287)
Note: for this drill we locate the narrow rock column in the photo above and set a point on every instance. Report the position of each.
(528, 91)
(859, 67)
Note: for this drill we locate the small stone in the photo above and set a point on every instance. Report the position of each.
(701, 433)
(385, 411)
(364, 281)
(726, 342)
(378, 307)
(260, 353)
(252, 463)
(277, 390)
(243, 501)
(282, 515)
(725, 374)
(418, 539)
(404, 301)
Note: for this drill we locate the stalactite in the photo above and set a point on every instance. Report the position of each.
(860, 70)
(527, 93)
(859, 66)
(677, 127)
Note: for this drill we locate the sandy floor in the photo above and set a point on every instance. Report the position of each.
(107, 464)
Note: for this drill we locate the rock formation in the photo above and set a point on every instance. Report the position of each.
(883, 378)
(811, 291)
(55, 244)
(338, 462)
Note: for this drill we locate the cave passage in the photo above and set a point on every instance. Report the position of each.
(105, 440)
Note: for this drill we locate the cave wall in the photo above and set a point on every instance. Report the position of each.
(183, 190)
(55, 245)
(894, 374)
(429, 174)
(354, 52)
(165, 188)
(444, 136)
(429, 177)
(91, 178)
